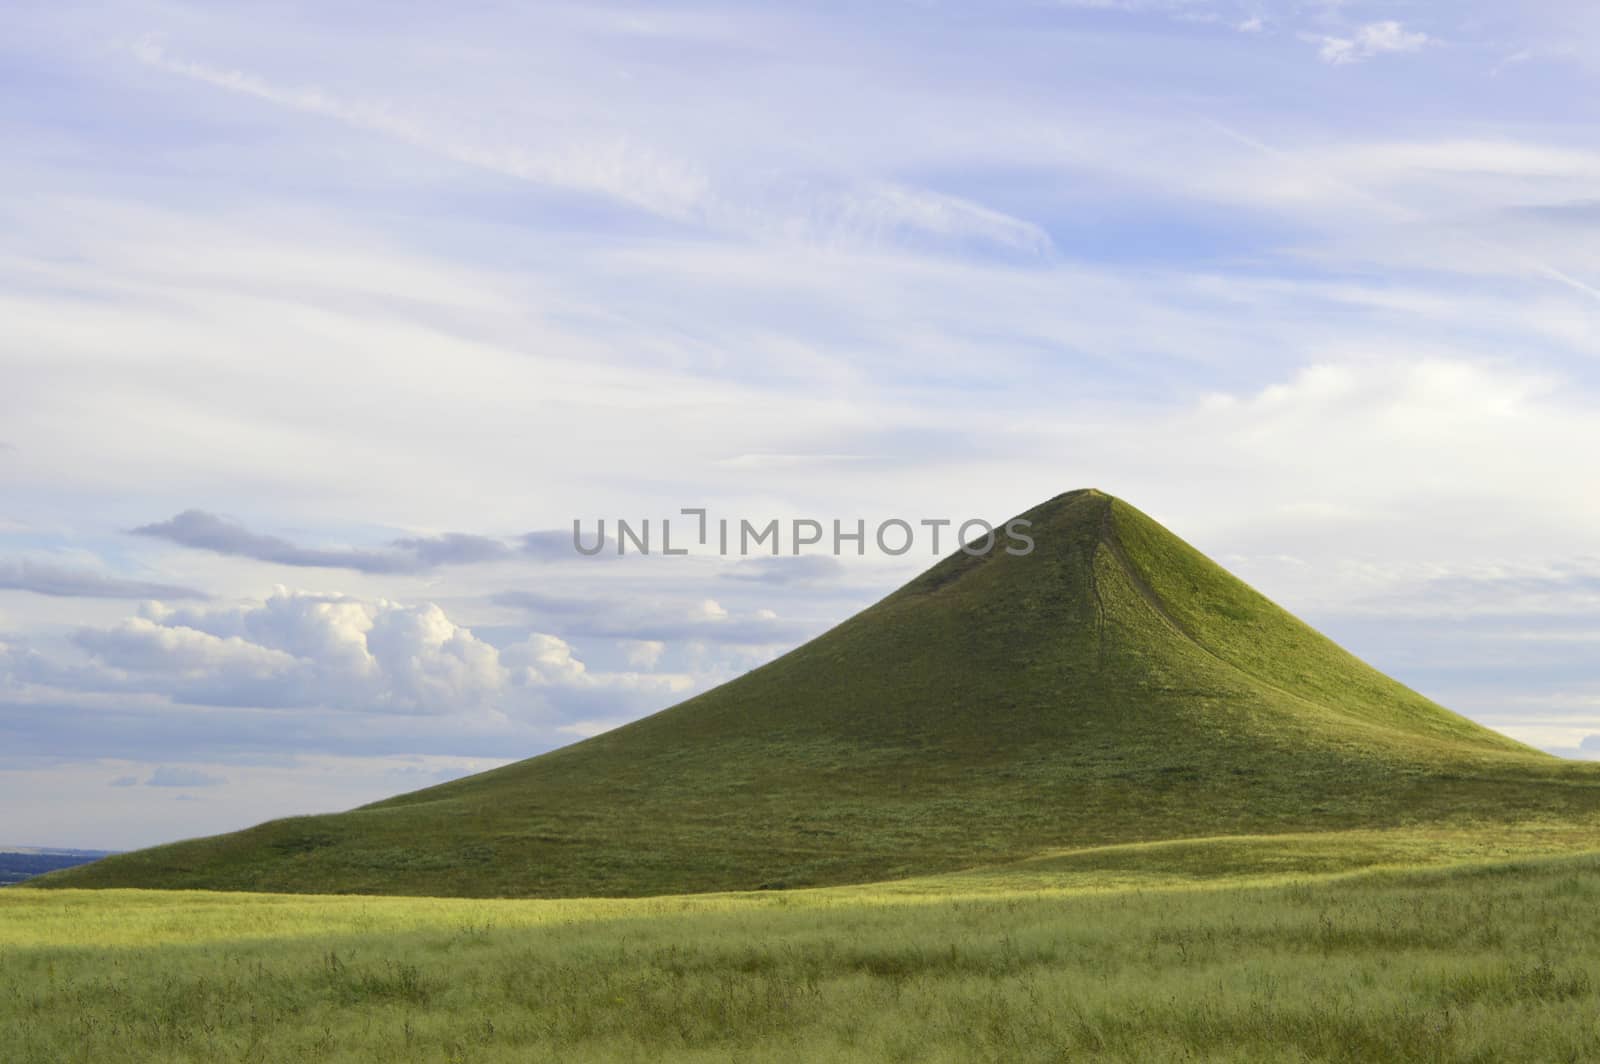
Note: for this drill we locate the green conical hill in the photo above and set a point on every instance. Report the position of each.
(1112, 686)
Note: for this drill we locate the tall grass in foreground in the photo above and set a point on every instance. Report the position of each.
(1485, 963)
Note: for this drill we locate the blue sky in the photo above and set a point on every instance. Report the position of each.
(310, 314)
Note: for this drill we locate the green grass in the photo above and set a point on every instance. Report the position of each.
(1320, 947)
(1114, 686)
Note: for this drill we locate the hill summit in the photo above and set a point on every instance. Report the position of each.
(1112, 686)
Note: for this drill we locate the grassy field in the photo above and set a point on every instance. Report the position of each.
(1370, 945)
(1114, 686)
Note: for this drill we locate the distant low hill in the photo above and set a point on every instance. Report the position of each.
(18, 863)
(1113, 686)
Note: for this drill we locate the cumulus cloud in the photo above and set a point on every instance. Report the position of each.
(1375, 38)
(544, 659)
(139, 644)
(426, 660)
(303, 649)
(66, 582)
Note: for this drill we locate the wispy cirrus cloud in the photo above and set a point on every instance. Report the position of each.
(616, 167)
(621, 167)
(1387, 37)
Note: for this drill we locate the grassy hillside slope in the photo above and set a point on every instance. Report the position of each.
(1113, 686)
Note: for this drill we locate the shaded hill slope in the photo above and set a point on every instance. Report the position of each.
(1113, 686)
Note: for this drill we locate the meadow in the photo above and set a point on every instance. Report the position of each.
(1382, 945)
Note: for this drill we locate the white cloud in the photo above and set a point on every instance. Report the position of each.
(612, 166)
(430, 661)
(308, 649)
(548, 661)
(1424, 160)
(709, 610)
(142, 645)
(342, 655)
(1375, 38)
(543, 660)
(644, 653)
(620, 166)
(886, 207)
